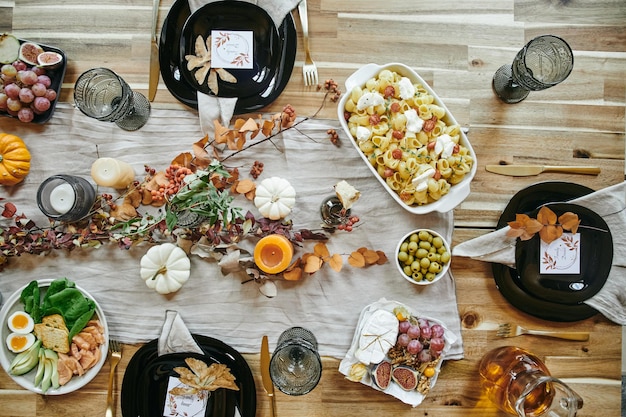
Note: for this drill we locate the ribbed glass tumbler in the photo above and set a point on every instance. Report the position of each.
(103, 95)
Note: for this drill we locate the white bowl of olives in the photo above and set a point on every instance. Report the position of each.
(423, 256)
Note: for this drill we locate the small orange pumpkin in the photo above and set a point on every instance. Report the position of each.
(14, 159)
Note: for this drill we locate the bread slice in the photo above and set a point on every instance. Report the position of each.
(53, 333)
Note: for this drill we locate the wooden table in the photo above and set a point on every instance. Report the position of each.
(456, 46)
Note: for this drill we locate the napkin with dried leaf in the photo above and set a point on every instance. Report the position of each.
(610, 204)
(211, 108)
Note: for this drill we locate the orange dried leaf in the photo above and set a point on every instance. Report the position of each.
(249, 126)
(336, 262)
(183, 160)
(245, 186)
(321, 250)
(382, 258)
(238, 123)
(294, 274)
(550, 233)
(371, 257)
(546, 216)
(268, 126)
(221, 132)
(514, 232)
(312, 264)
(356, 259)
(569, 221)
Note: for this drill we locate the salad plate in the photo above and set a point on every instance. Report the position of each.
(508, 280)
(13, 304)
(147, 377)
(256, 88)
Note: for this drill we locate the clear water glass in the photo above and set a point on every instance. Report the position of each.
(103, 95)
(542, 63)
(296, 367)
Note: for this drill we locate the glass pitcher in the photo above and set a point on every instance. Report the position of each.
(519, 383)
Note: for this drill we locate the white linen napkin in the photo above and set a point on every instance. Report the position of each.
(610, 204)
(175, 337)
(212, 108)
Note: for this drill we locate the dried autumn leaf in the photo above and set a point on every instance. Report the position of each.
(546, 216)
(312, 263)
(382, 258)
(225, 75)
(569, 221)
(293, 275)
(371, 257)
(356, 259)
(245, 186)
(550, 233)
(268, 126)
(336, 262)
(183, 160)
(212, 82)
(321, 250)
(9, 210)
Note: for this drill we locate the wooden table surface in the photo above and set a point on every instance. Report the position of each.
(455, 46)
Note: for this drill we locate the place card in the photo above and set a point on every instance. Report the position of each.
(562, 256)
(184, 405)
(232, 49)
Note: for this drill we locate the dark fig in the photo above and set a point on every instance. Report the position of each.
(382, 374)
(405, 377)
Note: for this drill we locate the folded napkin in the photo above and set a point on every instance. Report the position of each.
(608, 203)
(212, 108)
(175, 337)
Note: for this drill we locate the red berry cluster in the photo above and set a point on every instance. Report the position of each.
(348, 223)
(332, 87)
(334, 137)
(288, 116)
(108, 199)
(256, 170)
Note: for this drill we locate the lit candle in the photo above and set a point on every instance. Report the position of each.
(109, 172)
(273, 254)
(62, 198)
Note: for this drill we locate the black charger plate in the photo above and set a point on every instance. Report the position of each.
(144, 389)
(595, 255)
(186, 93)
(508, 279)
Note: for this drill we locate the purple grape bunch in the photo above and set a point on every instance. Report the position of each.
(25, 91)
(421, 338)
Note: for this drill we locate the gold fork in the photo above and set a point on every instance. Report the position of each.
(309, 69)
(116, 354)
(509, 330)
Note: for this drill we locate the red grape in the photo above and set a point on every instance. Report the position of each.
(12, 91)
(403, 339)
(45, 80)
(436, 344)
(424, 356)
(415, 347)
(414, 331)
(25, 114)
(403, 327)
(437, 330)
(41, 103)
(26, 95)
(39, 89)
(426, 332)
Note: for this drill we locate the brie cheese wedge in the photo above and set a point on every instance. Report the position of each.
(378, 334)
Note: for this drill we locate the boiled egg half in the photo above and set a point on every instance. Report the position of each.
(21, 322)
(17, 342)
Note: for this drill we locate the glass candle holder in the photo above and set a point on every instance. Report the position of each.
(66, 198)
(296, 367)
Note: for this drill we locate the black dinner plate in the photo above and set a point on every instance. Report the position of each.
(56, 81)
(186, 93)
(144, 389)
(508, 280)
(595, 254)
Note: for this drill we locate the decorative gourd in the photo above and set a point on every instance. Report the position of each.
(14, 159)
(274, 198)
(165, 268)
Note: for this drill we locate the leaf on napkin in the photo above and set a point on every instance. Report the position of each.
(370, 256)
(200, 377)
(547, 225)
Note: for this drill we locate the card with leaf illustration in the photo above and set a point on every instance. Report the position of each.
(561, 256)
(232, 49)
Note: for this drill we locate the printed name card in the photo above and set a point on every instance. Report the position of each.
(232, 49)
(184, 405)
(561, 256)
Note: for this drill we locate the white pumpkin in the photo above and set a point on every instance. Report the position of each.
(165, 268)
(274, 198)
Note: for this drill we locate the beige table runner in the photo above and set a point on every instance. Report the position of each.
(328, 303)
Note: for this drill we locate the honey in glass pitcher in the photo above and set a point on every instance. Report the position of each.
(519, 383)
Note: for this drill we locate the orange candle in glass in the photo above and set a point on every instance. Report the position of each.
(273, 254)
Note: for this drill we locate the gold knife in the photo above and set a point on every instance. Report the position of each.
(154, 55)
(529, 170)
(265, 374)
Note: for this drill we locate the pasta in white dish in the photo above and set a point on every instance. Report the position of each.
(404, 134)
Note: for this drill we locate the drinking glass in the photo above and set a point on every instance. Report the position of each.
(543, 62)
(65, 198)
(296, 367)
(102, 94)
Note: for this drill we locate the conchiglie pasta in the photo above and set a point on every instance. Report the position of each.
(387, 123)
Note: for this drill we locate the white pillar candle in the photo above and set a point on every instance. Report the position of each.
(62, 198)
(109, 172)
